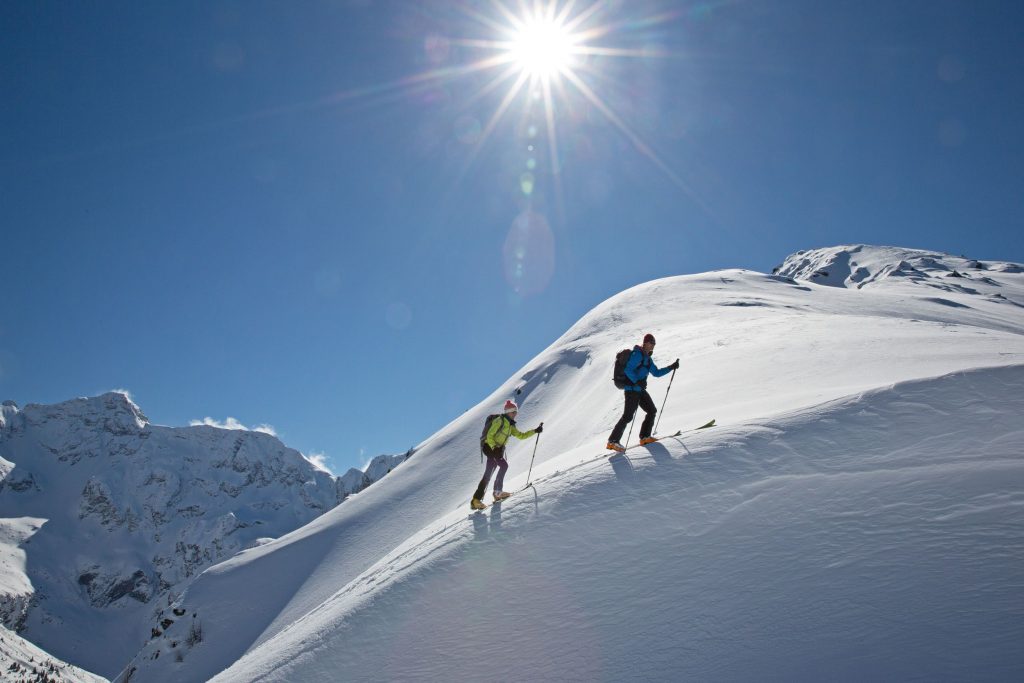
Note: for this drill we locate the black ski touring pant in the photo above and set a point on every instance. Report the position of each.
(634, 399)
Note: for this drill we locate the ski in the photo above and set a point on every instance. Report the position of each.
(630, 447)
(710, 423)
(656, 440)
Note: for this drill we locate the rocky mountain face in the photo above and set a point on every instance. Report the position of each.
(105, 518)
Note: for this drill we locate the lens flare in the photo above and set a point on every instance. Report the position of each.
(526, 182)
(529, 254)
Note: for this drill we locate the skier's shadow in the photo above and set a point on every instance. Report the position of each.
(496, 517)
(536, 499)
(659, 453)
(622, 466)
(479, 520)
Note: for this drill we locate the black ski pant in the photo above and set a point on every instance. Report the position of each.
(495, 461)
(634, 399)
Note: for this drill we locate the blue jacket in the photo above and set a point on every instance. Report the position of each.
(637, 368)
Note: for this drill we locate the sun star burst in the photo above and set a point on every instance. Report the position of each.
(551, 57)
(542, 47)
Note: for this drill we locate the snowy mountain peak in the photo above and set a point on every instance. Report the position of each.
(114, 411)
(8, 411)
(858, 266)
(860, 496)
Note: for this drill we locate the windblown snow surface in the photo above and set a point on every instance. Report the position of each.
(858, 513)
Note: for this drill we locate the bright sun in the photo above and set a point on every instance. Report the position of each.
(554, 51)
(542, 48)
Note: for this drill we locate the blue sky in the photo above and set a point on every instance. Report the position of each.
(297, 214)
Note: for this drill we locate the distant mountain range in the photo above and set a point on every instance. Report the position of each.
(107, 517)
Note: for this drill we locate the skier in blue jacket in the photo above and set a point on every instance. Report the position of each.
(638, 367)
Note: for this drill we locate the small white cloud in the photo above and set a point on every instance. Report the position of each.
(232, 423)
(127, 394)
(319, 461)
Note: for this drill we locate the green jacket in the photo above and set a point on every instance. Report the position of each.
(503, 427)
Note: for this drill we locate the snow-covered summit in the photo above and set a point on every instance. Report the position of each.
(859, 266)
(105, 517)
(868, 457)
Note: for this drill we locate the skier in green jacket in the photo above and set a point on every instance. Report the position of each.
(493, 446)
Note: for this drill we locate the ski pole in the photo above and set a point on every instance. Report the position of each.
(531, 459)
(672, 379)
(630, 436)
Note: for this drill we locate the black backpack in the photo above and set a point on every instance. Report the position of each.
(619, 375)
(487, 427)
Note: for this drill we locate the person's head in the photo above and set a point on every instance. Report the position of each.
(648, 343)
(511, 408)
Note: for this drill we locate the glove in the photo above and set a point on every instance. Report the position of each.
(674, 366)
(540, 428)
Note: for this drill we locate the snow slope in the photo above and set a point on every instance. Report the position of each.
(16, 595)
(859, 513)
